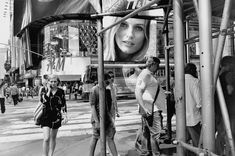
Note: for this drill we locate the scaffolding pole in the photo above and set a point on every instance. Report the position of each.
(179, 75)
(101, 84)
(167, 73)
(222, 37)
(207, 87)
(224, 112)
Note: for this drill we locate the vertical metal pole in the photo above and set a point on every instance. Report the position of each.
(101, 84)
(208, 116)
(230, 39)
(179, 75)
(222, 37)
(225, 115)
(51, 63)
(187, 36)
(167, 76)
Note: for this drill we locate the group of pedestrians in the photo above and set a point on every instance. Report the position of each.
(151, 99)
(8, 92)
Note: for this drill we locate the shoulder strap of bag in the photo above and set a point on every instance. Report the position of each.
(155, 98)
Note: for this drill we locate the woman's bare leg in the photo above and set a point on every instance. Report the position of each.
(53, 136)
(46, 140)
(112, 146)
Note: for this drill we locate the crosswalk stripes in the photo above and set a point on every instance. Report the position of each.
(19, 125)
(22, 128)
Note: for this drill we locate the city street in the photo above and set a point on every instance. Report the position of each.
(19, 135)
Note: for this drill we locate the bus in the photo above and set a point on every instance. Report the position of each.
(125, 76)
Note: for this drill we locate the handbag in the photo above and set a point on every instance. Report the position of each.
(38, 114)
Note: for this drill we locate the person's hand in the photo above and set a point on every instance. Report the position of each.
(64, 118)
(48, 85)
(146, 112)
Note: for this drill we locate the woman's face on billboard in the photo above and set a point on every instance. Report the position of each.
(130, 35)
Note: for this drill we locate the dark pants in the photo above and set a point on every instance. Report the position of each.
(3, 108)
(15, 99)
(194, 133)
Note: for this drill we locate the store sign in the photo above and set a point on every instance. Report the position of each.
(56, 64)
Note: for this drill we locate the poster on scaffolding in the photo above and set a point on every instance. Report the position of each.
(130, 40)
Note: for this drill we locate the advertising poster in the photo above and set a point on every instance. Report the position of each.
(128, 44)
(131, 40)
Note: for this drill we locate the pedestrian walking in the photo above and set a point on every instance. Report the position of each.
(8, 93)
(2, 97)
(14, 93)
(193, 104)
(151, 99)
(53, 99)
(95, 118)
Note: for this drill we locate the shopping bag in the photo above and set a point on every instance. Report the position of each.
(38, 113)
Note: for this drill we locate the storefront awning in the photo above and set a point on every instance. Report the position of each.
(69, 77)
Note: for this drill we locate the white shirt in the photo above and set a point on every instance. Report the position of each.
(2, 92)
(193, 100)
(147, 82)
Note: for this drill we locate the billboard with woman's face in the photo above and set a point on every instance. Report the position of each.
(131, 40)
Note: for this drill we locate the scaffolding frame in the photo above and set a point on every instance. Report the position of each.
(203, 10)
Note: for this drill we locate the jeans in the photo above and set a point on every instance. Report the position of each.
(153, 133)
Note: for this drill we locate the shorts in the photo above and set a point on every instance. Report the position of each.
(52, 125)
(109, 132)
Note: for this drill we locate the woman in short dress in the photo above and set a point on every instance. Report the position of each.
(54, 102)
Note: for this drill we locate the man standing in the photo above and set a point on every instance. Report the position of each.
(193, 103)
(2, 97)
(148, 92)
(95, 118)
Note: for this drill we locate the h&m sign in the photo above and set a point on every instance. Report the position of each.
(56, 64)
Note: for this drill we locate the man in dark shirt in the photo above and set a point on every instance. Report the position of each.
(95, 118)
